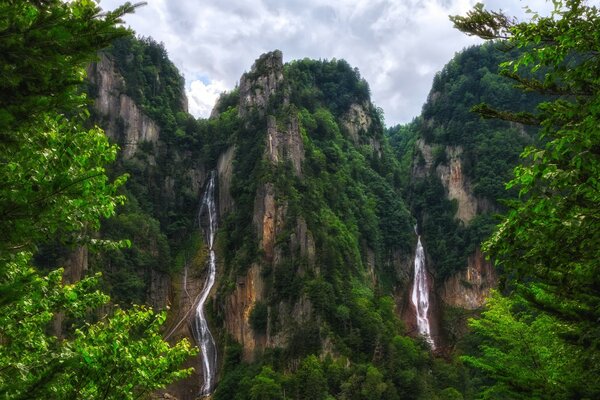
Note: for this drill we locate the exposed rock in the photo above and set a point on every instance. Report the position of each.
(469, 288)
(285, 144)
(225, 172)
(370, 263)
(75, 265)
(302, 241)
(248, 290)
(264, 219)
(289, 317)
(263, 80)
(457, 185)
(159, 290)
(127, 124)
(423, 163)
(357, 121)
(196, 178)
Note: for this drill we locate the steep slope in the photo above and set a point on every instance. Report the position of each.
(315, 240)
(458, 164)
(315, 246)
(139, 101)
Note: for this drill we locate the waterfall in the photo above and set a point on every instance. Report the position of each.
(420, 294)
(202, 334)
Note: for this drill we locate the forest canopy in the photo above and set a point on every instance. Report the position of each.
(546, 319)
(55, 188)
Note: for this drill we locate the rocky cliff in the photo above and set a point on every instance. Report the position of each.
(458, 164)
(283, 144)
(309, 183)
(468, 286)
(125, 122)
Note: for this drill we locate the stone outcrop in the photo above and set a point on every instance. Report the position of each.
(285, 144)
(248, 290)
(357, 121)
(302, 242)
(469, 288)
(263, 80)
(225, 174)
(127, 124)
(458, 186)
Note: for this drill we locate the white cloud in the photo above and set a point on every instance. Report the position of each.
(398, 45)
(202, 97)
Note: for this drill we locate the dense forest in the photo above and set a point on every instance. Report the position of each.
(319, 209)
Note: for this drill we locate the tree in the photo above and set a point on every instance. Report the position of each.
(549, 242)
(54, 184)
(266, 386)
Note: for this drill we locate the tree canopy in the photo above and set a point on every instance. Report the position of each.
(54, 184)
(548, 243)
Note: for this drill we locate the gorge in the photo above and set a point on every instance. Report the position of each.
(315, 252)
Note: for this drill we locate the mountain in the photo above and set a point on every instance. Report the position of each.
(457, 164)
(316, 205)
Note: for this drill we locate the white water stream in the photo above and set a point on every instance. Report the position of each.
(202, 334)
(420, 295)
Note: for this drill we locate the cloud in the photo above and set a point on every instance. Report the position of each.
(398, 45)
(202, 97)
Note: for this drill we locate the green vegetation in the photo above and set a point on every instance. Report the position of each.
(489, 151)
(348, 198)
(55, 188)
(547, 244)
(330, 303)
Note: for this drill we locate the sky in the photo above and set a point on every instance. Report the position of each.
(398, 45)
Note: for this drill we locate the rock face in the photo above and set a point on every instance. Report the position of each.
(128, 125)
(457, 185)
(270, 220)
(263, 80)
(285, 144)
(248, 291)
(225, 173)
(469, 288)
(357, 121)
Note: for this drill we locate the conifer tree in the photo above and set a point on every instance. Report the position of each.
(548, 245)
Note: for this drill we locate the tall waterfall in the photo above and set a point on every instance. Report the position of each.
(200, 327)
(420, 294)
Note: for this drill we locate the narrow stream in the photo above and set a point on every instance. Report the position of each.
(202, 334)
(420, 294)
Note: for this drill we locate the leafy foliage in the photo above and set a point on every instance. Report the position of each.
(548, 242)
(347, 198)
(489, 151)
(55, 184)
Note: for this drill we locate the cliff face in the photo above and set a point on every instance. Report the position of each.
(126, 123)
(469, 288)
(165, 182)
(283, 144)
(450, 173)
(317, 208)
(263, 80)
(459, 164)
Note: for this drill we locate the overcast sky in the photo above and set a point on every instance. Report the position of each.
(398, 45)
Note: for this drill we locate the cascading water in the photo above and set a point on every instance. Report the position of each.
(420, 294)
(200, 329)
